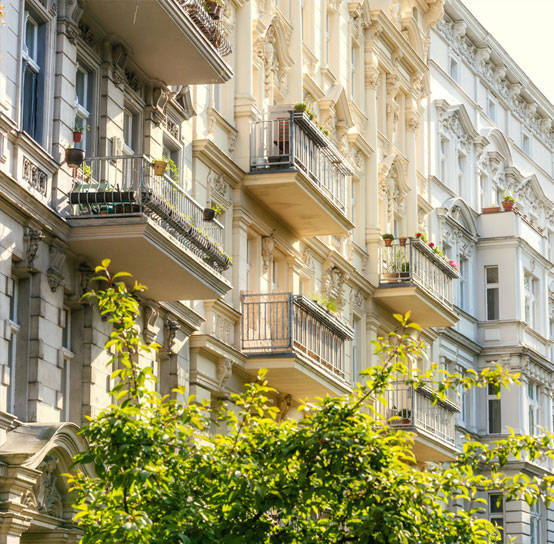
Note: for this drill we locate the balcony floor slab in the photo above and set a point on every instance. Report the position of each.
(138, 246)
(425, 309)
(162, 37)
(296, 375)
(295, 199)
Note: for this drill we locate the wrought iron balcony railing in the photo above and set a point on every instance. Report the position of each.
(415, 408)
(416, 263)
(297, 143)
(212, 29)
(123, 185)
(287, 324)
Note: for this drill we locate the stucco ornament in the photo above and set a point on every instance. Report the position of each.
(224, 371)
(48, 498)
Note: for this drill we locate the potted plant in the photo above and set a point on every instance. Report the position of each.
(508, 202)
(74, 157)
(405, 416)
(388, 237)
(78, 132)
(402, 240)
(493, 209)
(210, 213)
(214, 8)
(160, 166)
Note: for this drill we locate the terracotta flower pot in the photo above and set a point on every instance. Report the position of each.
(77, 136)
(402, 241)
(160, 167)
(496, 209)
(388, 241)
(208, 214)
(508, 205)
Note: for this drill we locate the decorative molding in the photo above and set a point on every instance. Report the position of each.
(150, 314)
(334, 284)
(48, 498)
(170, 332)
(268, 247)
(35, 177)
(284, 403)
(224, 371)
(33, 237)
(55, 269)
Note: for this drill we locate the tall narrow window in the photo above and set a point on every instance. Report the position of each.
(275, 274)
(13, 291)
(491, 109)
(526, 143)
(454, 69)
(535, 524)
(462, 163)
(173, 157)
(248, 263)
(496, 512)
(356, 344)
(529, 288)
(65, 324)
(494, 411)
(83, 105)
(32, 96)
(534, 405)
(492, 295)
(353, 70)
(462, 283)
(444, 159)
(328, 39)
(131, 132)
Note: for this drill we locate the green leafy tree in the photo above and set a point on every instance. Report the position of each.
(339, 474)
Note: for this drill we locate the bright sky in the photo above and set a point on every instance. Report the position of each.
(524, 29)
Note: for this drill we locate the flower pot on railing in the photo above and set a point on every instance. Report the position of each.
(208, 214)
(214, 8)
(74, 157)
(402, 240)
(508, 205)
(77, 136)
(494, 209)
(160, 167)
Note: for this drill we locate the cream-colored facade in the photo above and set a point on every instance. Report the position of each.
(314, 127)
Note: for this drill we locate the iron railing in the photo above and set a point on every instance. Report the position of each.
(212, 29)
(407, 406)
(415, 262)
(296, 142)
(286, 324)
(123, 185)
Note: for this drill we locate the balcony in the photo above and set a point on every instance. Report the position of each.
(298, 341)
(174, 41)
(299, 175)
(148, 226)
(412, 277)
(433, 424)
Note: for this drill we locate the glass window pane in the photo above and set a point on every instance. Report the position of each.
(496, 503)
(80, 88)
(495, 426)
(31, 38)
(492, 274)
(492, 303)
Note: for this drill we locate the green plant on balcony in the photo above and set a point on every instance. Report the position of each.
(388, 238)
(326, 302)
(302, 106)
(508, 202)
(214, 8)
(405, 415)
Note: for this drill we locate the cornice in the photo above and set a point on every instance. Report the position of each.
(214, 157)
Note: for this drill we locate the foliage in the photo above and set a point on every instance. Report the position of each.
(326, 302)
(508, 197)
(217, 209)
(79, 127)
(170, 472)
(173, 170)
(388, 235)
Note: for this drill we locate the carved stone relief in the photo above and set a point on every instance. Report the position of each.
(334, 285)
(33, 237)
(284, 403)
(48, 498)
(55, 269)
(224, 371)
(149, 316)
(35, 177)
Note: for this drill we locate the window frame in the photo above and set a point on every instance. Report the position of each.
(495, 517)
(453, 62)
(530, 283)
(493, 286)
(12, 330)
(493, 397)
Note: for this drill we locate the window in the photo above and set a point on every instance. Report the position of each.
(13, 329)
(249, 245)
(534, 404)
(328, 39)
(443, 159)
(275, 274)
(496, 512)
(353, 71)
(217, 97)
(66, 328)
(454, 69)
(529, 292)
(83, 105)
(491, 109)
(173, 156)
(461, 174)
(32, 95)
(462, 284)
(131, 132)
(492, 296)
(356, 344)
(66, 356)
(526, 143)
(494, 411)
(535, 524)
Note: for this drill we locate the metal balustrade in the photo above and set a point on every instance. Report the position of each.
(296, 142)
(123, 185)
(414, 408)
(287, 324)
(415, 262)
(212, 29)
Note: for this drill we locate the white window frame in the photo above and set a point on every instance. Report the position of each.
(11, 332)
(492, 286)
(83, 110)
(31, 61)
(526, 142)
(492, 397)
(535, 515)
(497, 517)
(530, 299)
(461, 172)
(463, 284)
(454, 68)
(491, 109)
(534, 408)
(66, 355)
(444, 152)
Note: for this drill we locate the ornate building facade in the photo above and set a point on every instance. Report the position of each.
(309, 128)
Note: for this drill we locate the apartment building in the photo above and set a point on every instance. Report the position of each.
(490, 136)
(295, 134)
